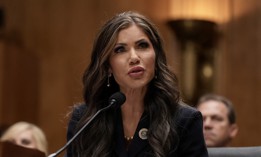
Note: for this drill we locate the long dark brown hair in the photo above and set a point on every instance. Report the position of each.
(161, 99)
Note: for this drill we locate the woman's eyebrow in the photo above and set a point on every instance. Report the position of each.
(141, 40)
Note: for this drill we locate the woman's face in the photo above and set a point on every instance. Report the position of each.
(25, 139)
(132, 61)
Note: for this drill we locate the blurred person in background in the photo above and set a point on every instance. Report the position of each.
(27, 135)
(219, 120)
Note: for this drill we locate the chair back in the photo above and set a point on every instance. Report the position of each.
(254, 151)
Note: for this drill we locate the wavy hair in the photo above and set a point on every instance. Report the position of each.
(161, 99)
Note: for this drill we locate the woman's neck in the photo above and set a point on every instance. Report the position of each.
(130, 119)
(132, 111)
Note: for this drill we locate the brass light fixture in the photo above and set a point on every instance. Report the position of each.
(198, 39)
(195, 24)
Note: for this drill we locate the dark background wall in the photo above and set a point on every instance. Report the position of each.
(45, 45)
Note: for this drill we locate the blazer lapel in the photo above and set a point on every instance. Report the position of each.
(139, 141)
(119, 134)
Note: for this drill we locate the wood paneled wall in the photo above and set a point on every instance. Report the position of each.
(57, 38)
(241, 81)
(19, 83)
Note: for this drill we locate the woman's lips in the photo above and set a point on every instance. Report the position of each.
(136, 72)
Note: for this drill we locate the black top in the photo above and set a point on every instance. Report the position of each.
(189, 127)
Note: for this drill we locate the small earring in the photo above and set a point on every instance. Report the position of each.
(108, 81)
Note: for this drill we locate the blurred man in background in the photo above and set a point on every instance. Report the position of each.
(219, 120)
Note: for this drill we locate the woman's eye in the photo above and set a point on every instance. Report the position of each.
(143, 45)
(119, 49)
(25, 142)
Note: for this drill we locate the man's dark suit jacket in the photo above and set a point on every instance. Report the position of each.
(189, 126)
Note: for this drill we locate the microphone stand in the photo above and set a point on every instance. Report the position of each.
(78, 132)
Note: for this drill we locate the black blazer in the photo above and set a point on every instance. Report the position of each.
(189, 127)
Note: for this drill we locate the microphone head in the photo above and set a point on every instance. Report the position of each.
(117, 99)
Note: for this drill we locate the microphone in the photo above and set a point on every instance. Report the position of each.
(115, 101)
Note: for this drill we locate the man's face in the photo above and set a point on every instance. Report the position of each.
(218, 132)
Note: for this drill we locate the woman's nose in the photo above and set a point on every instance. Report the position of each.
(134, 57)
